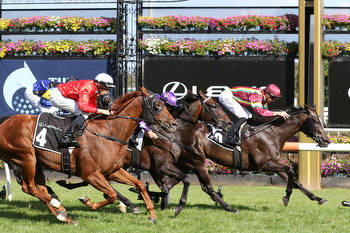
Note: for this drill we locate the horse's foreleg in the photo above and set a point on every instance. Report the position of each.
(204, 179)
(124, 177)
(176, 175)
(99, 182)
(310, 195)
(290, 177)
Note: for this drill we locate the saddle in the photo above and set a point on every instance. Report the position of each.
(47, 136)
(217, 135)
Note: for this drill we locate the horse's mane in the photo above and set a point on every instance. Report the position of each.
(183, 104)
(120, 102)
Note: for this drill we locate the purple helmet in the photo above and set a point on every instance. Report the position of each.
(169, 98)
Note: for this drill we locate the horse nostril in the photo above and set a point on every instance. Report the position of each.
(174, 125)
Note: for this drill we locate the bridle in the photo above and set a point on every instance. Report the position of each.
(149, 115)
(209, 109)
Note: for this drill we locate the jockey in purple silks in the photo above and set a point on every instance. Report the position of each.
(237, 97)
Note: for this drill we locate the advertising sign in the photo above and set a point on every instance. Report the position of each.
(339, 92)
(16, 75)
(213, 75)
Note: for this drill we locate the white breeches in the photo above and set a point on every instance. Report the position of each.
(67, 104)
(35, 101)
(227, 99)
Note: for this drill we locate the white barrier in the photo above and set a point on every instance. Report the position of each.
(299, 146)
(8, 181)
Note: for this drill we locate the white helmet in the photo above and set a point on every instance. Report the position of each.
(105, 80)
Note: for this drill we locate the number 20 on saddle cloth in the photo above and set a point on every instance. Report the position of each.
(49, 131)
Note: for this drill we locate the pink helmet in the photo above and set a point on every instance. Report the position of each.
(273, 90)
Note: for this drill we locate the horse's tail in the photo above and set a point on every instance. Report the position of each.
(4, 118)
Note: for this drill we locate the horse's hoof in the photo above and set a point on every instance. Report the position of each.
(322, 201)
(285, 201)
(136, 210)
(177, 210)
(153, 220)
(73, 222)
(61, 183)
(122, 208)
(84, 199)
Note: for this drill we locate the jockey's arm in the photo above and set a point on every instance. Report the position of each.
(149, 132)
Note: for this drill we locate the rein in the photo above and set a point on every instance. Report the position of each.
(268, 123)
(146, 104)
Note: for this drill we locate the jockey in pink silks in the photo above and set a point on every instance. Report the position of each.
(236, 98)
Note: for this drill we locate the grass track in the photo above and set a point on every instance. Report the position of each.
(260, 207)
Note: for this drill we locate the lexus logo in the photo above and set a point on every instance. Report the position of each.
(180, 89)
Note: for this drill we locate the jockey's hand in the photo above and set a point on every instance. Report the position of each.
(283, 114)
(152, 135)
(104, 111)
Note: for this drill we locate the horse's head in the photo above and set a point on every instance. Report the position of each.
(212, 112)
(154, 110)
(202, 108)
(313, 127)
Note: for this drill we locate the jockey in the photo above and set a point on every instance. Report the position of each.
(80, 98)
(36, 94)
(170, 100)
(237, 97)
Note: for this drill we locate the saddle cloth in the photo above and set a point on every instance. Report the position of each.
(49, 131)
(217, 135)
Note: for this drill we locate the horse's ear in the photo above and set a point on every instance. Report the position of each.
(144, 91)
(201, 94)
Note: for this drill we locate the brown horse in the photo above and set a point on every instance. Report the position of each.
(261, 148)
(96, 161)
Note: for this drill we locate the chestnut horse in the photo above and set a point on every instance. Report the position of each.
(96, 161)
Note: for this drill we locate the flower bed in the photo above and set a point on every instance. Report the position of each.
(284, 23)
(246, 47)
(58, 23)
(57, 48)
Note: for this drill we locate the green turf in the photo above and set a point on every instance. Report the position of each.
(260, 210)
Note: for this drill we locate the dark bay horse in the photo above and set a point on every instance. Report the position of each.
(96, 161)
(261, 148)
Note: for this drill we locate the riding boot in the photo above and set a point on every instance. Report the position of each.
(233, 137)
(70, 138)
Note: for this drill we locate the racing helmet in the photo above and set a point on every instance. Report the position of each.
(105, 80)
(273, 90)
(170, 98)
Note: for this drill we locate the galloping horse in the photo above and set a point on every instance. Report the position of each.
(260, 148)
(96, 161)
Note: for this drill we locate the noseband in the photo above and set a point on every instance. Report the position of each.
(151, 110)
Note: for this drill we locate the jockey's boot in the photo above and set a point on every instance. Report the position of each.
(70, 138)
(233, 137)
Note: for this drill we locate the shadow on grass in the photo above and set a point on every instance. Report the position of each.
(218, 207)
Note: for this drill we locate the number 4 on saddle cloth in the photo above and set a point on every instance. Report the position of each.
(48, 133)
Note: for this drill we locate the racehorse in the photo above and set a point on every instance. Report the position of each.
(260, 148)
(96, 161)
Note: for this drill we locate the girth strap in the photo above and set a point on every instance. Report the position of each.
(65, 162)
